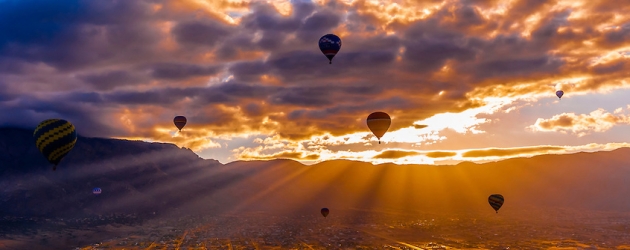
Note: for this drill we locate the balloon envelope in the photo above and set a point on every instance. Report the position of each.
(379, 122)
(180, 122)
(496, 201)
(559, 93)
(96, 191)
(330, 45)
(325, 212)
(55, 138)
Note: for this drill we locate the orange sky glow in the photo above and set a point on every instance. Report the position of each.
(462, 80)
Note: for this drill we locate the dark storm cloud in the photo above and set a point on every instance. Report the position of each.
(85, 97)
(253, 109)
(427, 46)
(321, 21)
(617, 37)
(518, 67)
(267, 19)
(296, 65)
(167, 96)
(110, 79)
(34, 22)
(271, 40)
(468, 15)
(31, 112)
(610, 68)
(200, 33)
(249, 71)
(367, 59)
(317, 25)
(11, 67)
(4, 93)
(75, 34)
(350, 110)
(325, 95)
(242, 90)
(303, 96)
(226, 93)
(177, 71)
(426, 55)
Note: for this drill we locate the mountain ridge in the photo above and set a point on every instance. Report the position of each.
(165, 144)
(146, 178)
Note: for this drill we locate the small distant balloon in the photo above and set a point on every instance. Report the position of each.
(559, 94)
(55, 138)
(330, 45)
(180, 122)
(325, 212)
(496, 201)
(379, 122)
(96, 191)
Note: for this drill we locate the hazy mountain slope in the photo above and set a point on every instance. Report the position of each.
(146, 177)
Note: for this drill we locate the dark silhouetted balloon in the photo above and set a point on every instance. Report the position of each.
(330, 45)
(325, 212)
(55, 138)
(379, 122)
(180, 122)
(559, 94)
(496, 201)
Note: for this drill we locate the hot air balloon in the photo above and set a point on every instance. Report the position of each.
(55, 138)
(559, 94)
(496, 201)
(325, 212)
(379, 122)
(330, 45)
(180, 122)
(96, 191)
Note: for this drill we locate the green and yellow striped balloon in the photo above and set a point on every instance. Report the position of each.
(55, 138)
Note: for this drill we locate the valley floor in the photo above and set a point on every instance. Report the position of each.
(348, 229)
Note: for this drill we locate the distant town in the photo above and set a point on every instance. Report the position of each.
(361, 230)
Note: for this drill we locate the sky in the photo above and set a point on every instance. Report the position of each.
(463, 80)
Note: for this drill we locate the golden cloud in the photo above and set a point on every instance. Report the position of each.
(582, 124)
(440, 154)
(496, 152)
(282, 155)
(434, 62)
(394, 154)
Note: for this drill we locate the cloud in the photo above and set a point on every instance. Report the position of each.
(283, 155)
(174, 71)
(439, 154)
(252, 68)
(582, 124)
(109, 80)
(394, 154)
(418, 126)
(509, 152)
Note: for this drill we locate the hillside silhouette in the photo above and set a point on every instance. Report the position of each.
(148, 178)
